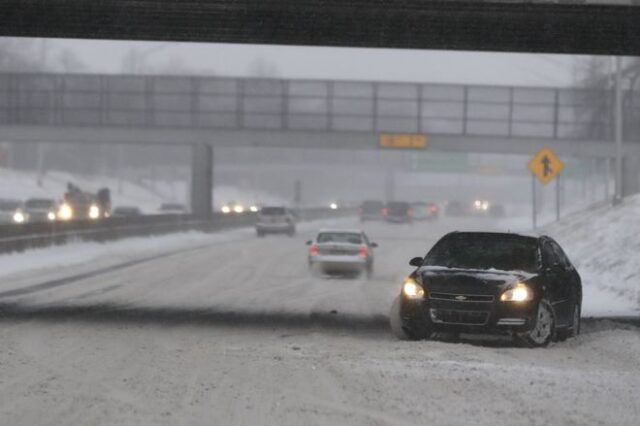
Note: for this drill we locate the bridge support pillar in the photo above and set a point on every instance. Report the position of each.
(201, 181)
(630, 175)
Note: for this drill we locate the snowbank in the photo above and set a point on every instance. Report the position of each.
(604, 245)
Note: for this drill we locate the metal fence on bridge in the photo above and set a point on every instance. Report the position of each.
(216, 102)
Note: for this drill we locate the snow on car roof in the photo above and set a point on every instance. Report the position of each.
(339, 231)
(497, 233)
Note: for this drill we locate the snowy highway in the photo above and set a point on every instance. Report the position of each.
(232, 329)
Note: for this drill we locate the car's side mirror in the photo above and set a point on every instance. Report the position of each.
(555, 267)
(416, 261)
(309, 242)
(374, 245)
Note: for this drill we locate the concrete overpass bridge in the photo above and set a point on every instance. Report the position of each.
(302, 113)
(205, 112)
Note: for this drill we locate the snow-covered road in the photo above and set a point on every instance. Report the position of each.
(231, 329)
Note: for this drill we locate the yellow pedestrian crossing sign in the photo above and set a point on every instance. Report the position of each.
(545, 165)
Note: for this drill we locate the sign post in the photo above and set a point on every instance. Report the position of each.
(533, 200)
(545, 166)
(558, 198)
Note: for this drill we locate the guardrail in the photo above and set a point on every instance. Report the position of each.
(17, 238)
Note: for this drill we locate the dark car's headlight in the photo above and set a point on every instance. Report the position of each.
(412, 290)
(518, 293)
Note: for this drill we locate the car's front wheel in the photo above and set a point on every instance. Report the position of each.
(574, 329)
(399, 329)
(544, 328)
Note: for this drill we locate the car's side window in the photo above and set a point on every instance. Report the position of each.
(548, 256)
(560, 255)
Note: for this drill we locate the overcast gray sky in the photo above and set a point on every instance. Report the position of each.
(329, 63)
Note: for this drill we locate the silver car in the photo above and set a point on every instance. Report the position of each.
(341, 251)
(275, 220)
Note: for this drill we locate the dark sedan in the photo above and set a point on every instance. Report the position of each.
(478, 282)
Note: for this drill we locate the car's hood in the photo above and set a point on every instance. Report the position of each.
(469, 281)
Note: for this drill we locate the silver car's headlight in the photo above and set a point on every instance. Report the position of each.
(518, 293)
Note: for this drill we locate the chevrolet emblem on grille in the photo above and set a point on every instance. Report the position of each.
(461, 297)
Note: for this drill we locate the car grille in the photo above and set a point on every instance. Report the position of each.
(461, 297)
(448, 316)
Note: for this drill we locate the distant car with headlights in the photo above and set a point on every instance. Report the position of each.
(275, 220)
(398, 212)
(341, 251)
(371, 210)
(126, 211)
(479, 282)
(10, 210)
(424, 211)
(233, 207)
(40, 210)
(480, 207)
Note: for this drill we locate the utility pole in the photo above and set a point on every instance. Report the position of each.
(617, 197)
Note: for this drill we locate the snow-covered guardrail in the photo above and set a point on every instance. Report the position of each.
(20, 237)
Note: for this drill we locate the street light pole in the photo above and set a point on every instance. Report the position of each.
(617, 197)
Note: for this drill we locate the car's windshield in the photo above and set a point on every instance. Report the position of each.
(39, 204)
(9, 205)
(339, 237)
(468, 251)
(372, 206)
(398, 207)
(171, 206)
(273, 211)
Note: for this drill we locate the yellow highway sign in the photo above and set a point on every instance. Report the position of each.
(403, 140)
(545, 165)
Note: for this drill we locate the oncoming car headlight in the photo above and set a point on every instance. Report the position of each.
(51, 216)
(412, 290)
(225, 209)
(19, 217)
(65, 212)
(518, 293)
(94, 211)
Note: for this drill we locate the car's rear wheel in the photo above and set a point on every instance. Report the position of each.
(543, 330)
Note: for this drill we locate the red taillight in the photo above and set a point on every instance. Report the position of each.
(313, 250)
(385, 212)
(432, 209)
(364, 251)
(409, 212)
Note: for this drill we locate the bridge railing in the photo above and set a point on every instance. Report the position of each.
(236, 103)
